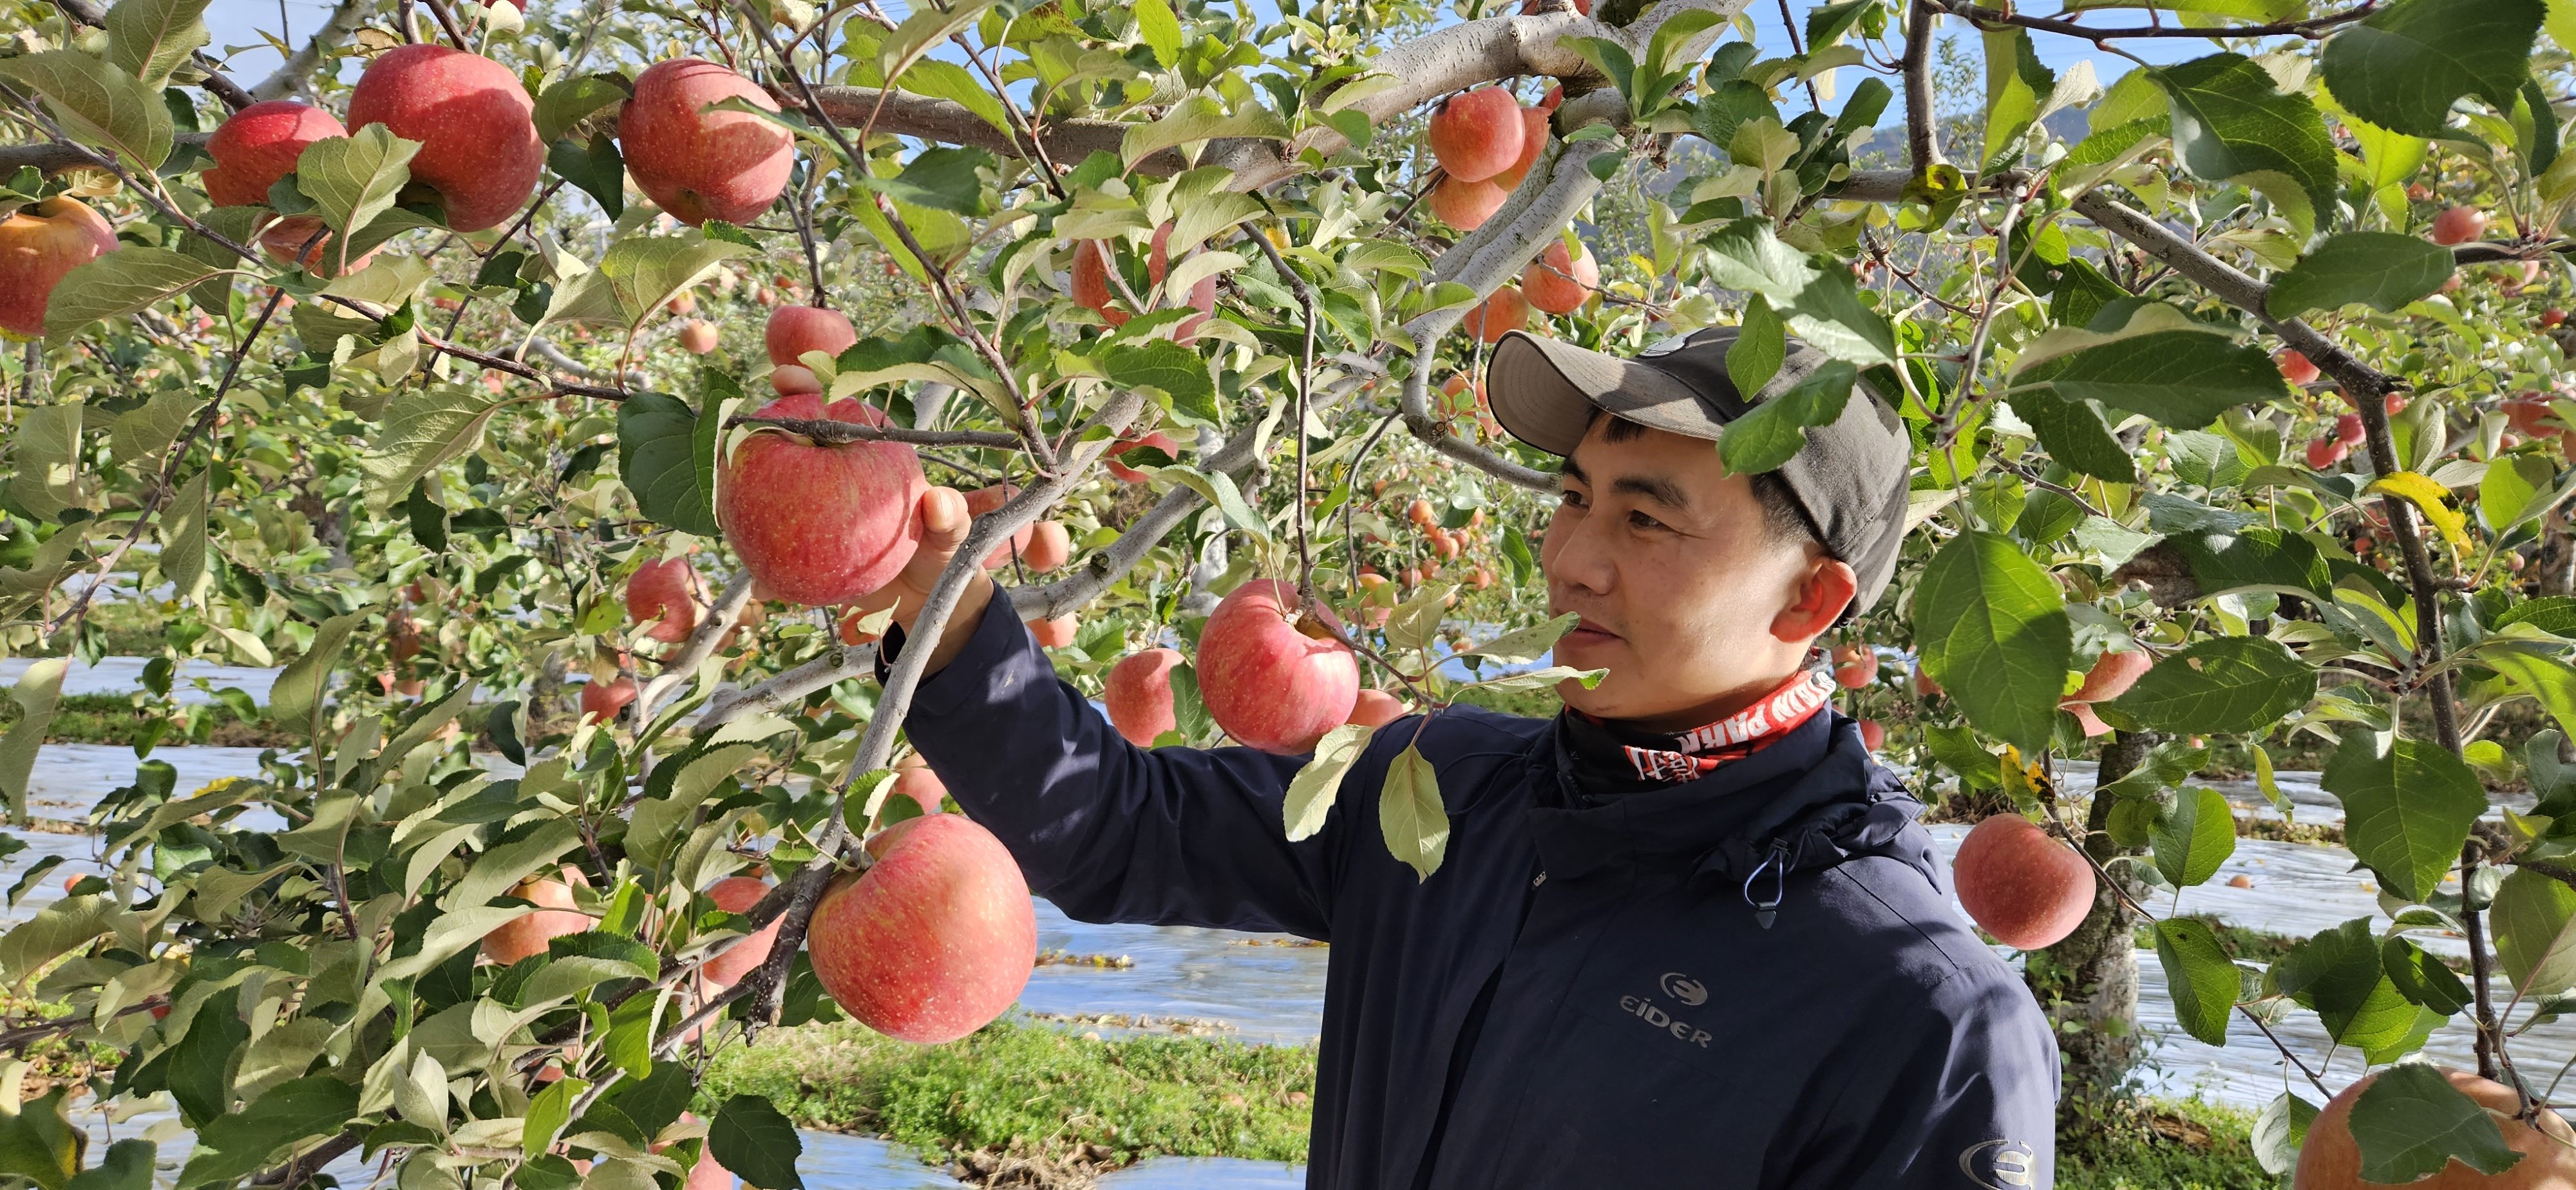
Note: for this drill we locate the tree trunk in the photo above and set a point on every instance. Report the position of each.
(2557, 555)
(2088, 983)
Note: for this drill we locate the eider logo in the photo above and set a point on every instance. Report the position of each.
(2008, 1164)
(1684, 988)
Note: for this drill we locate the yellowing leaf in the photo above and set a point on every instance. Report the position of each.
(2434, 499)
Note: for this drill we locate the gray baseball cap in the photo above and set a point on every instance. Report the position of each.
(1850, 478)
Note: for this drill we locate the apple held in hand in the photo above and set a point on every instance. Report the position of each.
(38, 244)
(821, 523)
(700, 164)
(1138, 693)
(737, 894)
(478, 141)
(935, 940)
(1269, 684)
(2025, 888)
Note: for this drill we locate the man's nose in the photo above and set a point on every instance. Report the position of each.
(1576, 555)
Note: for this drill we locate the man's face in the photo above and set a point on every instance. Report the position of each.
(1665, 556)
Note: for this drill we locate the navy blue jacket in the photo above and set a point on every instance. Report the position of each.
(1577, 997)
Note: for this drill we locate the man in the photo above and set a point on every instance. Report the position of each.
(1687, 934)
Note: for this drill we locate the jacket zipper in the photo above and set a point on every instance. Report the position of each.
(1778, 861)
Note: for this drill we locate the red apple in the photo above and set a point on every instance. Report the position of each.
(1477, 134)
(2295, 367)
(795, 380)
(1269, 684)
(1872, 734)
(2394, 403)
(699, 164)
(1202, 292)
(1057, 632)
(1559, 285)
(525, 936)
(2348, 430)
(2112, 675)
(698, 336)
(1158, 440)
(1049, 547)
(932, 942)
(2459, 225)
(795, 330)
(984, 500)
(1466, 205)
(38, 244)
(601, 701)
(2324, 453)
(1553, 99)
(479, 147)
(283, 238)
(913, 779)
(259, 144)
(1138, 693)
(666, 590)
(821, 523)
(1501, 313)
(2025, 888)
(2331, 1160)
(1091, 280)
(737, 894)
(1376, 708)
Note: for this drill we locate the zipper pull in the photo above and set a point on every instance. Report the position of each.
(1765, 911)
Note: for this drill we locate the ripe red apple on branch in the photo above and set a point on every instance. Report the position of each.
(255, 147)
(821, 523)
(795, 330)
(1267, 681)
(696, 162)
(1477, 134)
(2331, 1160)
(38, 244)
(667, 590)
(737, 894)
(934, 940)
(526, 936)
(1558, 283)
(1466, 205)
(2026, 888)
(1138, 693)
(478, 139)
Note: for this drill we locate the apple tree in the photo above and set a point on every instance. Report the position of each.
(439, 365)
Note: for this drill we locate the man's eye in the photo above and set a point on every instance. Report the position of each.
(1643, 521)
(1570, 498)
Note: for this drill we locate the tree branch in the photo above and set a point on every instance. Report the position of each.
(86, 13)
(832, 431)
(345, 20)
(1923, 143)
(2312, 28)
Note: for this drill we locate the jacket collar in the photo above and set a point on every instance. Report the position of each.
(1812, 799)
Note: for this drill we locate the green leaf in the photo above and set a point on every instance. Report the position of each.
(2216, 686)
(1219, 489)
(2279, 1132)
(595, 167)
(570, 101)
(2534, 917)
(1821, 304)
(427, 428)
(1160, 365)
(2016, 84)
(2337, 974)
(2410, 1122)
(352, 179)
(38, 1143)
(2182, 378)
(949, 81)
(183, 540)
(127, 1166)
(2253, 557)
(2193, 836)
(1411, 815)
(1993, 631)
(2204, 984)
(2549, 680)
(150, 38)
(38, 692)
(45, 458)
(2403, 67)
(2406, 811)
(1761, 346)
(945, 178)
(1775, 430)
(1198, 118)
(2422, 978)
(98, 103)
(755, 1143)
(1160, 29)
(637, 275)
(57, 930)
(1316, 786)
(1523, 645)
(2379, 269)
(240, 1144)
(2075, 435)
(666, 456)
(199, 1071)
(295, 699)
(117, 284)
(2231, 121)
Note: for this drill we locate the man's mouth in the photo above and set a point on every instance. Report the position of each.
(1587, 632)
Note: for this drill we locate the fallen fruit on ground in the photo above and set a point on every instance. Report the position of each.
(821, 523)
(2022, 885)
(1138, 693)
(479, 147)
(698, 162)
(1268, 683)
(2330, 1160)
(932, 942)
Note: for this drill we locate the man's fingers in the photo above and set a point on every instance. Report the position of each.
(944, 521)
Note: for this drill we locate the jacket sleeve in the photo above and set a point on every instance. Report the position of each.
(1966, 1099)
(1108, 831)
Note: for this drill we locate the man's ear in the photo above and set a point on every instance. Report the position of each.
(1822, 592)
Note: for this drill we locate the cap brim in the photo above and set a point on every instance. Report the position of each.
(1544, 391)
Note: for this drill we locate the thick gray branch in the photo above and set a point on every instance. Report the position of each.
(291, 77)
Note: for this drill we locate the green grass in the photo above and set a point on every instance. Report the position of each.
(114, 719)
(1021, 1088)
(1033, 1090)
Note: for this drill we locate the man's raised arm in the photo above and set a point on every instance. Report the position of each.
(1106, 830)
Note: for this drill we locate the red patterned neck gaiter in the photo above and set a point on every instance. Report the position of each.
(1658, 758)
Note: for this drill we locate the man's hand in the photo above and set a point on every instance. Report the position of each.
(944, 524)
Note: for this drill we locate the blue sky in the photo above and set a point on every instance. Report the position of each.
(239, 23)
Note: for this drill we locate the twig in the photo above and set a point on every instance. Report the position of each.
(834, 431)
